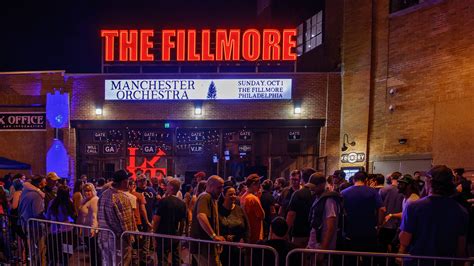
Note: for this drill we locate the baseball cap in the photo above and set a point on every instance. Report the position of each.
(121, 175)
(315, 179)
(407, 179)
(52, 176)
(441, 174)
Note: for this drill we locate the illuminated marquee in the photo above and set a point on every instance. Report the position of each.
(197, 89)
(205, 45)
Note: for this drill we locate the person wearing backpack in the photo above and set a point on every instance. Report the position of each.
(324, 216)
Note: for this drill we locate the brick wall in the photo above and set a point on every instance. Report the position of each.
(89, 89)
(356, 81)
(424, 53)
(22, 91)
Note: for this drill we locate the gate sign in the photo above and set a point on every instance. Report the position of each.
(196, 148)
(100, 136)
(22, 121)
(110, 149)
(294, 135)
(149, 149)
(92, 149)
(245, 135)
(149, 136)
(353, 157)
(197, 89)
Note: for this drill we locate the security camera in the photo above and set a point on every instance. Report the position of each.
(391, 108)
(392, 91)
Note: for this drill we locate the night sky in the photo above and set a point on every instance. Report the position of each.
(64, 35)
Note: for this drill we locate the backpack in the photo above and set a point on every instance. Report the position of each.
(317, 211)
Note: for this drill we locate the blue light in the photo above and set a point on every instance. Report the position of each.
(57, 109)
(57, 159)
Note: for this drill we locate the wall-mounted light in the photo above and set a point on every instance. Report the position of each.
(297, 107)
(344, 138)
(197, 108)
(98, 109)
(402, 141)
(391, 108)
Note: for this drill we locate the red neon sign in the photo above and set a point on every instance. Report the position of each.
(205, 45)
(148, 166)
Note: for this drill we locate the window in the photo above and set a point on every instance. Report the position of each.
(397, 5)
(312, 30)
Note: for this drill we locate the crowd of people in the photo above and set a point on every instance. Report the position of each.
(427, 213)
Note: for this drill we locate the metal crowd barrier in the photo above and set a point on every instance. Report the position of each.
(177, 250)
(53, 243)
(12, 241)
(317, 257)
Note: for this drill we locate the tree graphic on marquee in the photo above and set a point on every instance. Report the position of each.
(212, 91)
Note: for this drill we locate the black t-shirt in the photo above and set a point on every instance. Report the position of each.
(300, 203)
(284, 199)
(172, 211)
(234, 222)
(150, 197)
(267, 202)
(283, 247)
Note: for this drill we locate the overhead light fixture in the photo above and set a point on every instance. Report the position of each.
(344, 146)
(297, 107)
(197, 108)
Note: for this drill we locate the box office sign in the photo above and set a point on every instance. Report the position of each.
(22, 121)
(197, 89)
(353, 157)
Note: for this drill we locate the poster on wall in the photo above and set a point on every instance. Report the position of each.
(12, 121)
(197, 89)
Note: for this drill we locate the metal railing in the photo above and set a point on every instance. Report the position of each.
(12, 241)
(316, 257)
(53, 243)
(177, 250)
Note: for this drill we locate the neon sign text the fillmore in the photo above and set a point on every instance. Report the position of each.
(204, 45)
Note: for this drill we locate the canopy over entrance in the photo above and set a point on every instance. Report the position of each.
(8, 164)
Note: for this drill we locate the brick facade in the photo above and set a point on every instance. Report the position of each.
(314, 90)
(422, 55)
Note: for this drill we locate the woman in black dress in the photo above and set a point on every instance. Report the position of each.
(234, 227)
